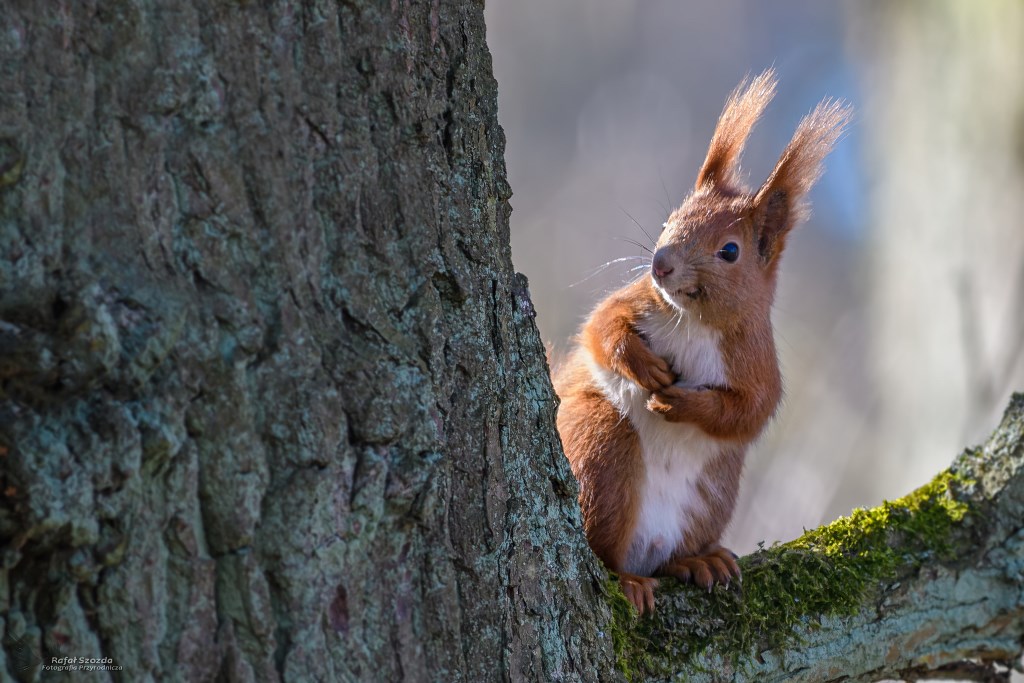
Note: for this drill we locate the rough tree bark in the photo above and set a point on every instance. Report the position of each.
(273, 406)
(273, 403)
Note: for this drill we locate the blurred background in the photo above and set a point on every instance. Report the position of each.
(900, 315)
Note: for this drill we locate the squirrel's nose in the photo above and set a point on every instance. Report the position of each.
(660, 264)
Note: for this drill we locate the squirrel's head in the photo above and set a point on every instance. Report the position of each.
(719, 254)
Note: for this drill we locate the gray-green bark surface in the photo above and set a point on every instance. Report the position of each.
(273, 404)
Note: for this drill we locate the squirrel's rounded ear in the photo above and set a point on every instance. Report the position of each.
(779, 204)
(741, 112)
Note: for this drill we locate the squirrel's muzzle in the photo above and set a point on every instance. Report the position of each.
(661, 264)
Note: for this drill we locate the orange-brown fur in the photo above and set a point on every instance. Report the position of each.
(597, 433)
(729, 300)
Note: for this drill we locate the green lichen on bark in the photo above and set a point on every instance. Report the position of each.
(632, 649)
(828, 572)
(825, 572)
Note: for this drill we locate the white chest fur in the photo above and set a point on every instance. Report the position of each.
(673, 454)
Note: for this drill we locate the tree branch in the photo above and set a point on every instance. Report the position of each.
(928, 586)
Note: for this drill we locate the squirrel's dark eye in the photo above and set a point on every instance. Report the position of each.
(730, 252)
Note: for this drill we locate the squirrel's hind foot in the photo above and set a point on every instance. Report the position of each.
(717, 566)
(639, 590)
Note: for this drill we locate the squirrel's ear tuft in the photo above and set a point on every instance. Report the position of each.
(741, 112)
(778, 205)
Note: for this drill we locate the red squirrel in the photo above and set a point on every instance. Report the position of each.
(676, 374)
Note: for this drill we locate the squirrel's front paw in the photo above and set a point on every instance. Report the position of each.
(657, 404)
(669, 402)
(637, 362)
(655, 375)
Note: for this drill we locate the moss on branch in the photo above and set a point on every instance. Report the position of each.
(832, 572)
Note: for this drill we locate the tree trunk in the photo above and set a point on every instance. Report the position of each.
(273, 404)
